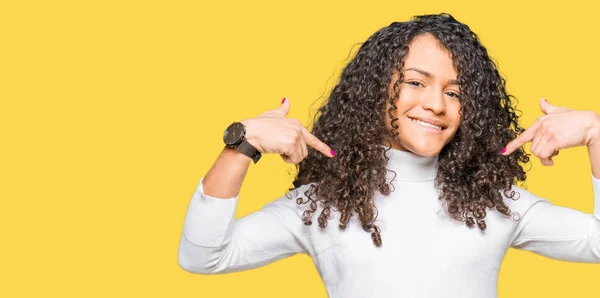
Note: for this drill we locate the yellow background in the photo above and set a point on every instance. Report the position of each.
(111, 112)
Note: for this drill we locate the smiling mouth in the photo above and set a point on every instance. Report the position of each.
(425, 124)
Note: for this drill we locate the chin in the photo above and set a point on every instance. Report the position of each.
(426, 151)
(420, 148)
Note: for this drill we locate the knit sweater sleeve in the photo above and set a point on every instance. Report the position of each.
(558, 232)
(213, 241)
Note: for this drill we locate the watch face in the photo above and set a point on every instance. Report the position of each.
(233, 134)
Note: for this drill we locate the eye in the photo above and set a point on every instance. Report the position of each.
(453, 94)
(415, 83)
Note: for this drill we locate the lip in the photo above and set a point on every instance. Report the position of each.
(431, 121)
(428, 129)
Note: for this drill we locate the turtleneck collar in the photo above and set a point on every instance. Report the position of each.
(409, 166)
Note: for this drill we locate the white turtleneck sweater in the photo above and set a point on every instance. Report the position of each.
(424, 253)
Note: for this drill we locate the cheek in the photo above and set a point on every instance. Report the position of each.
(458, 120)
(409, 98)
(454, 113)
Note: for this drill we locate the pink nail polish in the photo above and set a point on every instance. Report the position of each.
(503, 150)
(332, 152)
(283, 100)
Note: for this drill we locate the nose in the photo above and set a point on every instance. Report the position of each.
(434, 101)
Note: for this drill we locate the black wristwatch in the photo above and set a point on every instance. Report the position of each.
(235, 137)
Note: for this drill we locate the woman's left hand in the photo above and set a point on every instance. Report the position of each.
(559, 128)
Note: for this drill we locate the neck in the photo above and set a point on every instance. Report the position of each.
(410, 166)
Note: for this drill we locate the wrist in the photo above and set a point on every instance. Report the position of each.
(593, 135)
(236, 137)
(249, 131)
(233, 154)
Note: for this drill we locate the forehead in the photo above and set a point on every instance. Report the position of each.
(427, 53)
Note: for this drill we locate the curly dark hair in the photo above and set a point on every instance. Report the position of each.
(471, 169)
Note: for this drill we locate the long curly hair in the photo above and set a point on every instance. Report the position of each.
(352, 121)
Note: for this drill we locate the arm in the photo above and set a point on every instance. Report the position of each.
(594, 147)
(225, 177)
(554, 231)
(558, 232)
(214, 242)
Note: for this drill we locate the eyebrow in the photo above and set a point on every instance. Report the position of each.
(429, 75)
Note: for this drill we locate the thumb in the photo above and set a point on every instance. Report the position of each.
(284, 108)
(547, 107)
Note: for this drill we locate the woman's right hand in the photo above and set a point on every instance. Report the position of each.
(272, 132)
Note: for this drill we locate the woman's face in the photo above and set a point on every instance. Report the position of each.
(430, 93)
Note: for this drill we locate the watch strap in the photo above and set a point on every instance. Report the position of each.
(247, 149)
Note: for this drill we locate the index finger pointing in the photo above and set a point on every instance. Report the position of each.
(314, 142)
(523, 138)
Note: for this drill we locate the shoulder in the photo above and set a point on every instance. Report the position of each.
(287, 204)
(520, 200)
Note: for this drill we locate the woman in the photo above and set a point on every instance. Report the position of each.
(420, 186)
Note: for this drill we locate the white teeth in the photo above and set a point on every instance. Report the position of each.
(425, 124)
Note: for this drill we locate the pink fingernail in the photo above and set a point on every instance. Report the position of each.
(283, 100)
(332, 152)
(503, 150)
